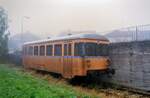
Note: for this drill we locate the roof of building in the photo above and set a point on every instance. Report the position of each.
(75, 36)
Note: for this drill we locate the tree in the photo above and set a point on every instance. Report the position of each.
(3, 34)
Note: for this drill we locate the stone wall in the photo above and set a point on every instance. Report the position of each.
(131, 61)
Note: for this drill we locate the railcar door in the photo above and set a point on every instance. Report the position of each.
(67, 60)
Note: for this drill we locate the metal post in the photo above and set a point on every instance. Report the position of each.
(136, 34)
(21, 35)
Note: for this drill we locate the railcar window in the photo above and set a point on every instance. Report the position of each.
(65, 49)
(23, 50)
(58, 50)
(49, 50)
(26, 50)
(30, 50)
(69, 50)
(42, 50)
(36, 50)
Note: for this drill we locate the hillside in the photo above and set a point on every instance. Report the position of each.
(119, 36)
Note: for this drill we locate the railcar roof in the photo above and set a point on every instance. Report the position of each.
(69, 37)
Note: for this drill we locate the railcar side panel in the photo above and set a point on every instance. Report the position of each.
(78, 66)
(67, 66)
(52, 64)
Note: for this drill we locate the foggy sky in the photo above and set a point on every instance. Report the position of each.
(50, 17)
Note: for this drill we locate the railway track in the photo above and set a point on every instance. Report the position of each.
(108, 87)
(103, 87)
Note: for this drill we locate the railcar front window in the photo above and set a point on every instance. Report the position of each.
(102, 49)
(91, 49)
(79, 49)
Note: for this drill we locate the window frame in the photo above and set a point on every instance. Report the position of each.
(36, 52)
(49, 53)
(69, 49)
(57, 52)
(65, 49)
(42, 50)
(30, 50)
(25, 50)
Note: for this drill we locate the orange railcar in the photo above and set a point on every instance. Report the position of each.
(70, 56)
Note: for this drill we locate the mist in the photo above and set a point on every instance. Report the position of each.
(52, 17)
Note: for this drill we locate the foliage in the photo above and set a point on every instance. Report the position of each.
(3, 35)
(16, 84)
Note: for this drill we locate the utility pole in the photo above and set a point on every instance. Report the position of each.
(22, 28)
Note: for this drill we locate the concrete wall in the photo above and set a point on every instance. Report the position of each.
(131, 62)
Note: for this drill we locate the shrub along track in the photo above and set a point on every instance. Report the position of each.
(104, 90)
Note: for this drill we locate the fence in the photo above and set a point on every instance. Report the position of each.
(131, 60)
(129, 34)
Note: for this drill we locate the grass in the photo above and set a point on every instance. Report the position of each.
(17, 84)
